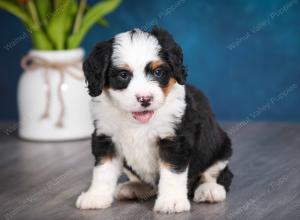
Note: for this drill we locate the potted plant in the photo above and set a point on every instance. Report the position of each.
(52, 99)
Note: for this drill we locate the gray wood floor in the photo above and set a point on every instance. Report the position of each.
(42, 180)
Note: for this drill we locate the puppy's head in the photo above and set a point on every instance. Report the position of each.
(137, 70)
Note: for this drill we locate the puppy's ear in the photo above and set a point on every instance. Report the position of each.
(172, 53)
(95, 67)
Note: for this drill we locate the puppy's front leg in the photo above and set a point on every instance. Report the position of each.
(172, 187)
(105, 175)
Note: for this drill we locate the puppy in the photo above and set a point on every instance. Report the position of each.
(153, 125)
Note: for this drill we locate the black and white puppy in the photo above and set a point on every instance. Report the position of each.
(152, 125)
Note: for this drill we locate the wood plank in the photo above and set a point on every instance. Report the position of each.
(42, 180)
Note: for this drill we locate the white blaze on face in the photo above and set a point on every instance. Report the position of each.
(136, 51)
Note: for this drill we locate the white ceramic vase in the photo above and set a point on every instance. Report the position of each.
(53, 102)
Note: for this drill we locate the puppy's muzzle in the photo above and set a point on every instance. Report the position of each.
(145, 101)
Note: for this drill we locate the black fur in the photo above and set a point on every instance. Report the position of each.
(99, 72)
(96, 67)
(102, 147)
(115, 81)
(175, 152)
(171, 52)
(164, 79)
(225, 178)
(132, 32)
(199, 141)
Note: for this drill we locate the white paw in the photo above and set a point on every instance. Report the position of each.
(167, 204)
(210, 192)
(88, 200)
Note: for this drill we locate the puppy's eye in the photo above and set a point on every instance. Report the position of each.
(124, 75)
(158, 73)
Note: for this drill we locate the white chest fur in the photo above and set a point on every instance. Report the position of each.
(137, 142)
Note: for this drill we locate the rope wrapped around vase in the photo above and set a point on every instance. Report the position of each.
(31, 62)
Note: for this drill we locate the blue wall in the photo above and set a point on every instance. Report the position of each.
(245, 55)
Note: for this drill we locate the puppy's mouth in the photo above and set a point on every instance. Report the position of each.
(143, 117)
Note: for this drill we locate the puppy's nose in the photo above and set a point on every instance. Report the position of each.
(144, 100)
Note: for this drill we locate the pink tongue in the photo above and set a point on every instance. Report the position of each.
(143, 117)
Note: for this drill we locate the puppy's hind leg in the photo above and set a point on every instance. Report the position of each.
(209, 189)
(134, 188)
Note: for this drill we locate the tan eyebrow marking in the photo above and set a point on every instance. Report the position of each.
(125, 67)
(156, 64)
(169, 86)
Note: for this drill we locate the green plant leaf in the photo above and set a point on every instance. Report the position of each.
(44, 8)
(60, 23)
(39, 37)
(103, 22)
(70, 20)
(79, 15)
(40, 40)
(17, 11)
(34, 14)
(91, 17)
